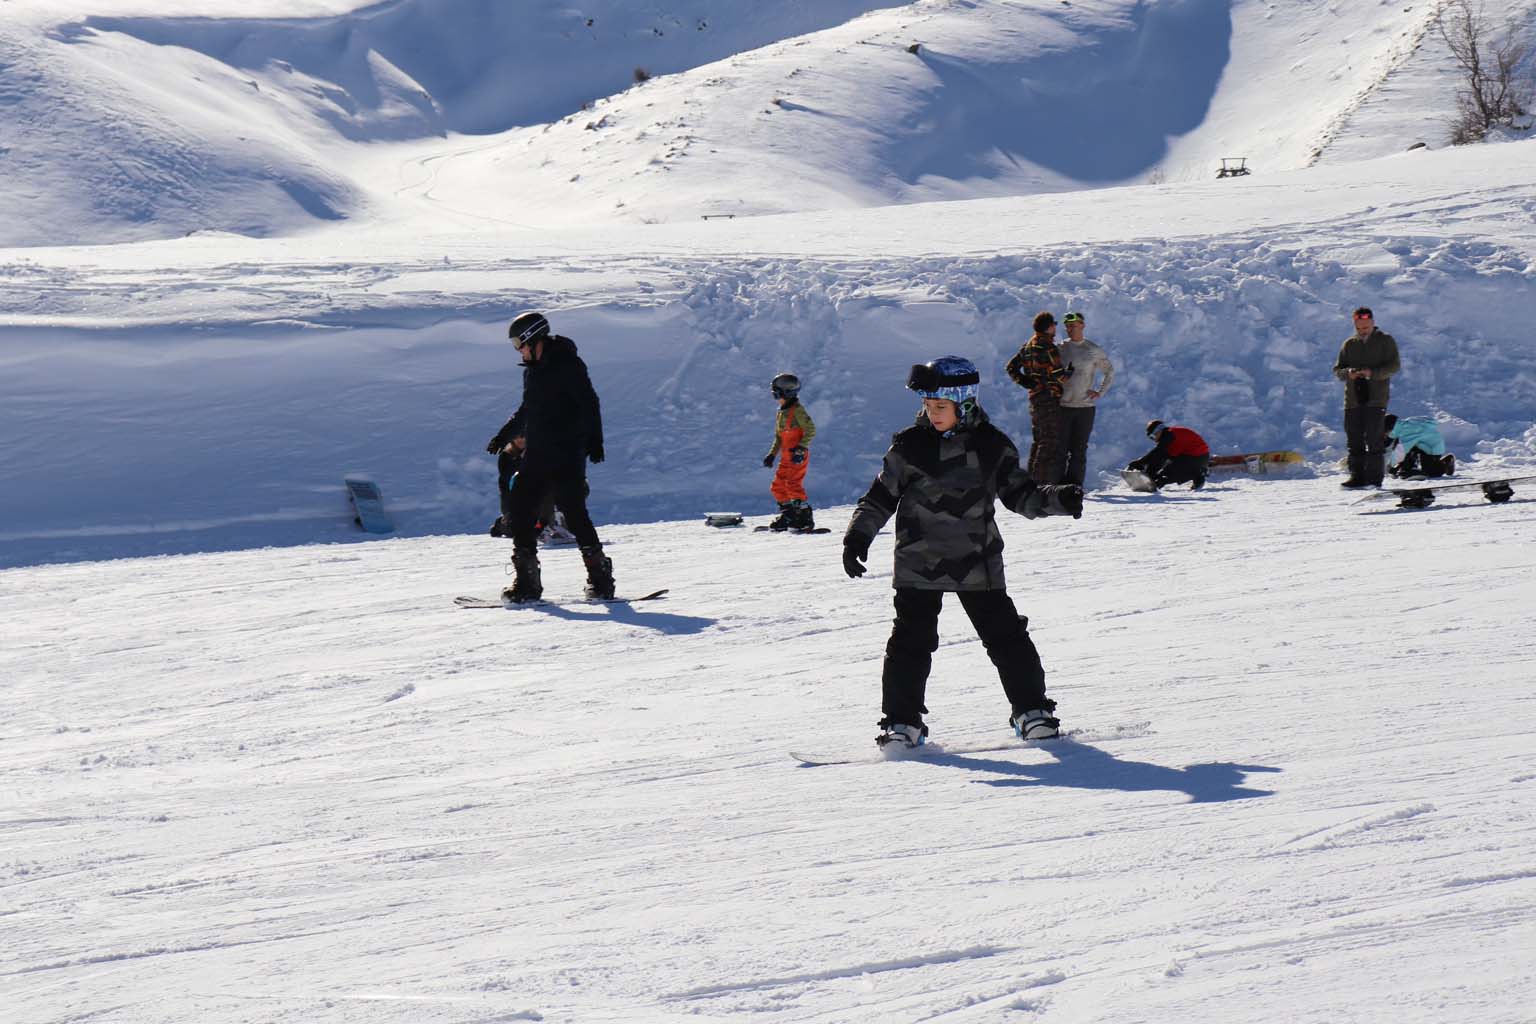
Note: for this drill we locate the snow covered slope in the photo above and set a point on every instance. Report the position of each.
(211, 393)
(133, 120)
(300, 786)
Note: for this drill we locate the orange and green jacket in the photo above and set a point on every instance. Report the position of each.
(1037, 368)
(792, 417)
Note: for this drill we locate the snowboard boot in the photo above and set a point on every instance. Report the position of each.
(500, 529)
(1197, 483)
(1037, 724)
(599, 573)
(902, 736)
(526, 586)
(802, 519)
(786, 513)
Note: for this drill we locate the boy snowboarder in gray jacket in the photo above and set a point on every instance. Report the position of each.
(941, 479)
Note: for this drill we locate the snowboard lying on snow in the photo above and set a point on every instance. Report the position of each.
(1497, 490)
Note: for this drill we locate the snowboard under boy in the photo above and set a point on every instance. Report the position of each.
(792, 433)
(941, 479)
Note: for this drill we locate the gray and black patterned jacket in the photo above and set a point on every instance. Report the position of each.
(943, 491)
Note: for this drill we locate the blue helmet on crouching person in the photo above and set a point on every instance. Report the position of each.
(953, 378)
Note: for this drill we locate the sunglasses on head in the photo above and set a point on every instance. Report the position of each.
(1073, 318)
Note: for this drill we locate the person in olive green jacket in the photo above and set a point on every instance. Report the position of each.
(1367, 360)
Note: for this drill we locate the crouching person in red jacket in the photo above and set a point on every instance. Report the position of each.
(1180, 456)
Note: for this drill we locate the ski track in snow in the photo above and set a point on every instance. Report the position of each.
(300, 784)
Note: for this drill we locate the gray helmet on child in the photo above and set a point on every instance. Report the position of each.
(785, 385)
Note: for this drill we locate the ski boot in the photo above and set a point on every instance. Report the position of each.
(1036, 724)
(785, 517)
(599, 573)
(527, 585)
(903, 736)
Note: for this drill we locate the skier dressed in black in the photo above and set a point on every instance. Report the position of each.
(941, 479)
(562, 422)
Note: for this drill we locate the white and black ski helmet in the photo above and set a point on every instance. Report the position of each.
(786, 385)
(1154, 427)
(529, 326)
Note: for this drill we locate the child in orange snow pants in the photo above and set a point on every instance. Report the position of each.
(792, 433)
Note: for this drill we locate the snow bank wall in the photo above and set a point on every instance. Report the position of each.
(138, 442)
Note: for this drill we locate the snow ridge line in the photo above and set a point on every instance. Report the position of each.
(879, 967)
(1340, 120)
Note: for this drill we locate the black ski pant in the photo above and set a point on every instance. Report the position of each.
(915, 636)
(1047, 458)
(507, 465)
(1181, 469)
(1367, 437)
(567, 485)
(1419, 462)
(1076, 425)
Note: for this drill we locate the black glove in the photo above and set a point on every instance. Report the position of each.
(1034, 505)
(768, 460)
(797, 455)
(495, 445)
(855, 554)
(1137, 464)
(596, 454)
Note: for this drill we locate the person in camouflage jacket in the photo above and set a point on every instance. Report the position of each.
(941, 480)
(1037, 367)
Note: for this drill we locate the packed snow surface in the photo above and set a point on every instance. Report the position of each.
(275, 774)
(301, 785)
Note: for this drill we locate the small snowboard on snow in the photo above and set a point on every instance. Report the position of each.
(818, 529)
(1137, 480)
(486, 602)
(722, 519)
(368, 505)
(1497, 491)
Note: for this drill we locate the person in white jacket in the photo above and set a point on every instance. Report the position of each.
(1091, 374)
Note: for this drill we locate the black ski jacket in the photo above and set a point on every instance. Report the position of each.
(942, 490)
(560, 415)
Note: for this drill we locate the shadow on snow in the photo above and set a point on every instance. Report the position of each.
(1083, 766)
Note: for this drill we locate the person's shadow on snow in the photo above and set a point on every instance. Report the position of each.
(1082, 766)
(662, 622)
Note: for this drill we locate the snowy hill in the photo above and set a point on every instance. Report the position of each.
(133, 120)
(299, 785)
(276, 775)
(214, 391)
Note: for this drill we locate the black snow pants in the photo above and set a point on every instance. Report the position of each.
(915, 636)
(1181, 469)
(1366, 434)
(507, 466)
(534, 485)
(1076, 425)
